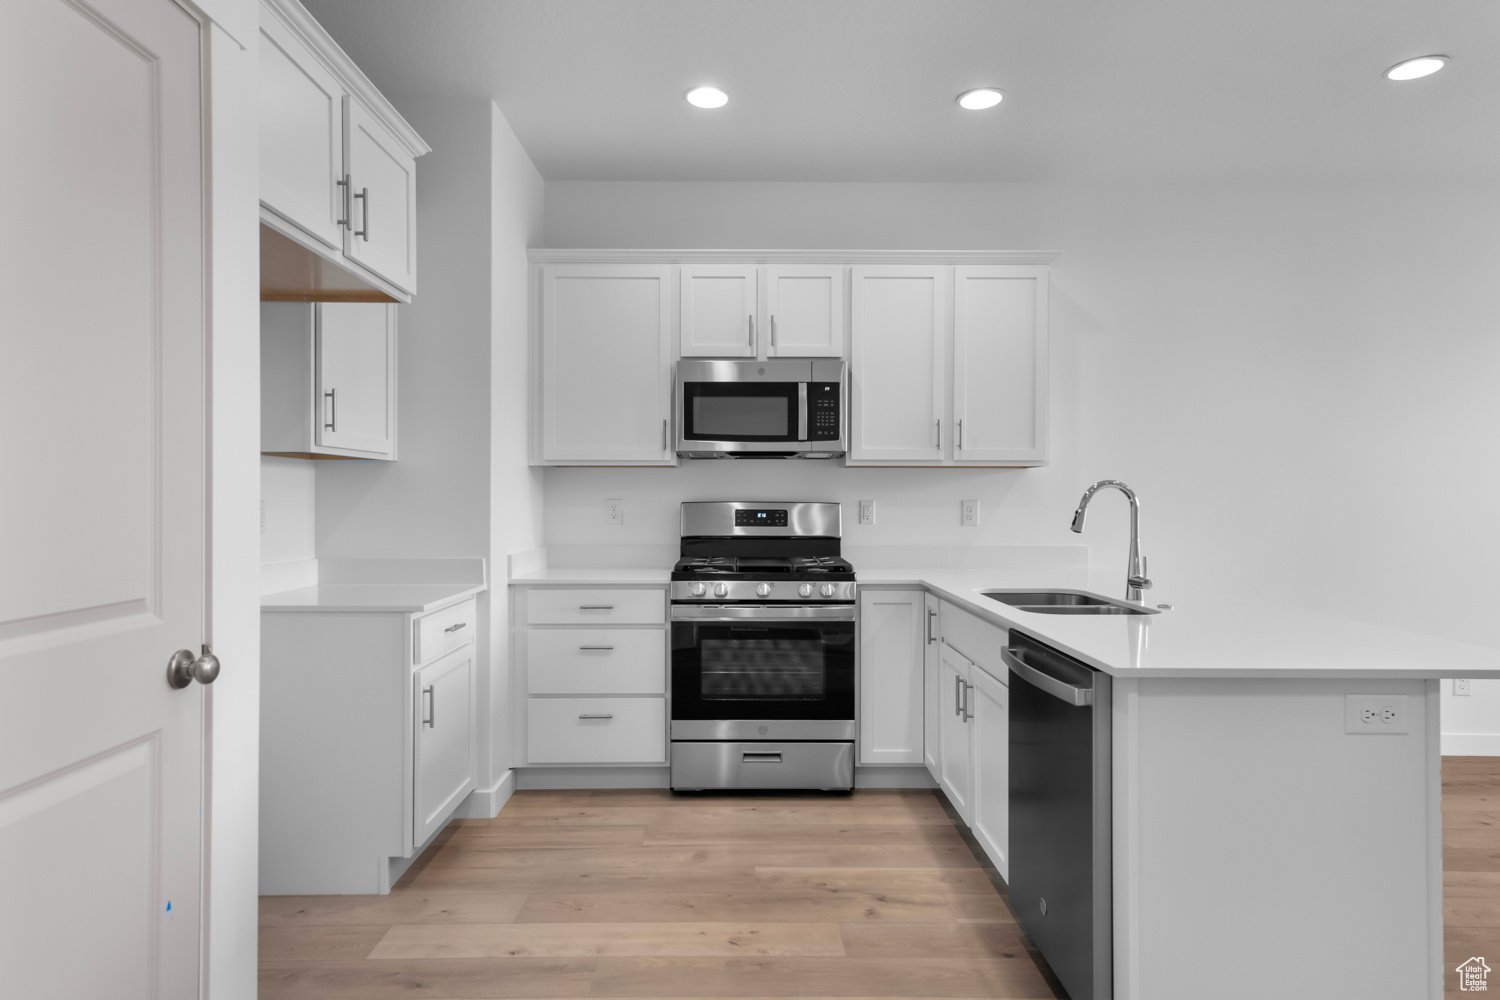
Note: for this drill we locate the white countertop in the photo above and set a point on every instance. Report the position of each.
(1202, 637)
(370, 597)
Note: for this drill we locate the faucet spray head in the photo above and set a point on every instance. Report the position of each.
(1077, 524)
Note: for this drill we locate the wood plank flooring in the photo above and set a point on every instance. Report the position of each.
(642, 894)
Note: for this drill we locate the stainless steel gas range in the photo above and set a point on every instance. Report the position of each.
(762, 648)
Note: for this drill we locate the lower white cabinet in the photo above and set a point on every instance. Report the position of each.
(989, 799)
(932, 647)
(955, 766)
(596, 730)
(443, 752)
(892, 637)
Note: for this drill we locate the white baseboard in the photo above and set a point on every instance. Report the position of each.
(485, 803)
(892, 776)
(592, 777)
(1471, 744)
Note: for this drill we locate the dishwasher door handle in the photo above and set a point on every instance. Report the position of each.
(1061, 690)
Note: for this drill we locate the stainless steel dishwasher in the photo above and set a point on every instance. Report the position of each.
(1060, 813)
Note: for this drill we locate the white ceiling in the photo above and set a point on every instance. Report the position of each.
(863, 90)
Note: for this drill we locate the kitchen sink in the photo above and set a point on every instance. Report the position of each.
(1060, 602)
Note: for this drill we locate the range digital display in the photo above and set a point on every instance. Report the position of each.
(760, 518)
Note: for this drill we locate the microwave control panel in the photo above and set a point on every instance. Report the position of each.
(822, 411)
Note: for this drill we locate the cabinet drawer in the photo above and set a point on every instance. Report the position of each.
(596, 607)
(596, 661)
(596, 730)
(444, 631)
(979, 640)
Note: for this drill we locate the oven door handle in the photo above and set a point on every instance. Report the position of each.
(762, 613)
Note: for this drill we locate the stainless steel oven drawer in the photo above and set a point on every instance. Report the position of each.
(762, 765)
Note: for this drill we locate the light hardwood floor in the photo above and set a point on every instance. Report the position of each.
(642, 894)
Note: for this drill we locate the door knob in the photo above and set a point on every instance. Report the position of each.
(184, 668)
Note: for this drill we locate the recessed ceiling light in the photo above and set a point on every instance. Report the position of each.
(1415, 69)
(707, 97)
(978, 100)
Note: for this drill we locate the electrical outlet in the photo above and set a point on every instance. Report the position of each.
(867, 512)
(614, 512)
(1375, 713)
(970, 513)
(1461, 686)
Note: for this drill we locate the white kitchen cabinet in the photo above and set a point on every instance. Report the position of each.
(892, 637)
(1000, 350)
(328, 380)
(989, 803)
(718, 313)
(955, 773)
(605, 374)
(804, 311)
(338, 162)
(443, 753)
(897, 368)
(932, 648)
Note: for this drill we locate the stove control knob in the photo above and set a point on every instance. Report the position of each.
(826, 590)
(721, 590)
(805, 590)
(699, 589)
(763, 590)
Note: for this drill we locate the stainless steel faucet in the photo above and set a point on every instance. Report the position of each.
(1136, 581)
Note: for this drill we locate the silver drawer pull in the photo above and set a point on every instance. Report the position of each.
(430, 694)
(761, 757)
(455, 628)
(596, 647)
(600, 715)
(596, 607)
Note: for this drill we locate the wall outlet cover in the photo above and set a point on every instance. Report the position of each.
(867, 512)
(1375, 714)
(1461, 687)
(614, 512)
(969, 513)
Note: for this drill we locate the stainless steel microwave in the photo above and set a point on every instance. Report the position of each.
(762, 409)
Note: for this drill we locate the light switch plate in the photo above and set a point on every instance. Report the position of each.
(1375, 714)
(867, 512)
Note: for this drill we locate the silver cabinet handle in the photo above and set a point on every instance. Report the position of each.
(968, 715)
(364, 195)
(332, 407)
(664, 434)
(183, 667)
(344, 201)
(750, 325)
(596, 607)
(958, 694)
(596, 715)
(960, 434)
(931, 625)
(761, 757)
(773, 331)
(940, 433)
(431, 720)
(1062, 690)
(455, 628)
(597, 647)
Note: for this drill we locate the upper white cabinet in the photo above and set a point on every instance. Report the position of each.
(897, 374)
(606, 365)
(338, 162)
(892, 638)
(927, 391)
(804, 311)
(718, 310)
(328, 380)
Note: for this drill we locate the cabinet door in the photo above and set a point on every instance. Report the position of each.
(932, 745)
(891, 641)
(606, 364)
(356, 378)
(382, 231)
(953, 724)
(718, 310)
(1000, 364)
(443, 754)
(301, 135)
(805, 307)
(897, 372)
(990, 806)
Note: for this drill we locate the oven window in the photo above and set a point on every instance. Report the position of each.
(762, 669)
(735, 418)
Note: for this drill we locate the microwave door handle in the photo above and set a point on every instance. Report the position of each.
(801, 411)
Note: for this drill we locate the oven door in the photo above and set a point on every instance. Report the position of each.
(742, 416)
(762, 673)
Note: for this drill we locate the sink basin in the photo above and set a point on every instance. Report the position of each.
(1059, 602)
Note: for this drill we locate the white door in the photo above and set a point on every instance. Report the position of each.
(356, 385)
(990, 807)
(891, 641)
(102, 515)
(718, 310)
(805, 303)
(382, 230)
(301, 135)
(953, 724)
(606, 364)
(1000, 364)
(443, 755)
(897, 371)
(932, 747)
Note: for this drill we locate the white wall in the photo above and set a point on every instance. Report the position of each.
(1299, 380)
(288, 509)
